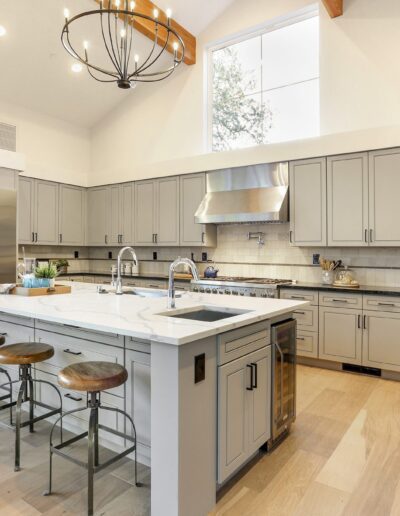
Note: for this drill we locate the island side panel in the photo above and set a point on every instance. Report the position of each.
(183, 430)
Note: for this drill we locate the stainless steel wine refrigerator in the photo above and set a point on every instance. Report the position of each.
(8, 235)
(283, 378)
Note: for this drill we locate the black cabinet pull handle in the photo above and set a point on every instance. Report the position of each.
(74, 398)
(251, 378)
(33, 236)
(359, 321)
(255, 384)
(76, 353)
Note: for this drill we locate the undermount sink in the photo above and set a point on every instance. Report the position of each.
(204, 313)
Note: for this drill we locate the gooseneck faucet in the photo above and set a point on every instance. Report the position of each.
(171, 281)
(118, 285)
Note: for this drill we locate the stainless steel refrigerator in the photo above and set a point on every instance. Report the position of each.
(8, 236)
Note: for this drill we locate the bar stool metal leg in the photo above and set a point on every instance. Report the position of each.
(91, 457)
(8, 396)
(21, 397)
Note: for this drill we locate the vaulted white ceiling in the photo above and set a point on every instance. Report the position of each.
(36, 71)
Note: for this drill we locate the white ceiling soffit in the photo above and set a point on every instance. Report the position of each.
(36, 70)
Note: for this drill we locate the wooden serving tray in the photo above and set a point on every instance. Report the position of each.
(341, 285)
(41, 291)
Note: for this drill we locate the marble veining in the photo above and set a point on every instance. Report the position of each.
(139, 317)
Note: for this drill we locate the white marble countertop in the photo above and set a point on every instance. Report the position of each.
(138, 317)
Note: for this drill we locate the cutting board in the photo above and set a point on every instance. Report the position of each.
(45, 291)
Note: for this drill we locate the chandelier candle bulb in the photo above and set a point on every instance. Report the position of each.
(155, 13)
(66, 13)
(133, 6)
(169, 13)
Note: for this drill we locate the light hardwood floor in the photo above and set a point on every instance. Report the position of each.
(342, 458)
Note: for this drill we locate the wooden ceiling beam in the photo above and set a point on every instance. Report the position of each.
(146, 27)
(334, 7)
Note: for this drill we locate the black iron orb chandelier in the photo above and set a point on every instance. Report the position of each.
(117, 32)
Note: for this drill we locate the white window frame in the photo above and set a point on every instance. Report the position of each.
(277, 23)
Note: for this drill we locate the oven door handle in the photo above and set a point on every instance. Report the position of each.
(281, 373)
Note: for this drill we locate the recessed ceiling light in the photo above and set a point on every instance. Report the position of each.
(3, 31)
(76, 67)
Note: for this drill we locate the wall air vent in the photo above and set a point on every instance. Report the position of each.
(8, 137)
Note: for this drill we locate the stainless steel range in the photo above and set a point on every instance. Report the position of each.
(237, 286)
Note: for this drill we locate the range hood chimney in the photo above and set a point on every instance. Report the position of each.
(256, 193)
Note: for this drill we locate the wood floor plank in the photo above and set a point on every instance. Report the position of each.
(322, 500)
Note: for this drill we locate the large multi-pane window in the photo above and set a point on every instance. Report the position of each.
(265, 88)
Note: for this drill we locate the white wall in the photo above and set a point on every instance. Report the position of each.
(159, 130)
(53, 149)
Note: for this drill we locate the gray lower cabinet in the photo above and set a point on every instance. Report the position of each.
(138, 392)
(192, 191)
(98, 216)
(244, 418)
(340, 334)
(381, 345)
(72, 215)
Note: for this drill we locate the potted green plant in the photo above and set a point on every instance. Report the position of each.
(46, 275)
(62, 265)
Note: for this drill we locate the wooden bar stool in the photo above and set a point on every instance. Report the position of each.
(92, 377)
(24, 355)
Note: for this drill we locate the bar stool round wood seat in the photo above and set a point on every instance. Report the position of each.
(24, 354)
(93, 378)
(2, 340)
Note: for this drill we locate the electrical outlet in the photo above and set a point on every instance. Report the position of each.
(76, 254)
(315, 259)
(199, 368)
(203, 257)
(110, 255)
(154, 255)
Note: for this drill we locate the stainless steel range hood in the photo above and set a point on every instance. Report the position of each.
(256, 193)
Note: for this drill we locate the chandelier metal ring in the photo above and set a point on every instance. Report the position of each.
(118, 45)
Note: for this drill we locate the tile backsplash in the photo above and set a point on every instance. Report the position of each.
(238, 256)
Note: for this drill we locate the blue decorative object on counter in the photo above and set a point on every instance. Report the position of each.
(210, 272)
(29, 281)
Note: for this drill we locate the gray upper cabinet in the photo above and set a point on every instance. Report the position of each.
(167, 211)
(308, 202)
(115, 215)
(192, 191)
(347, 200)
(98, 207)
(26, 234)
(127, 196)
(72, 215)
(145, 213)
(46, 213)
(384, 205)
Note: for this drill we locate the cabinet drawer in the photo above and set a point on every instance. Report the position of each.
(300, 295)
(307, 343)
(382, 303)
(340, 299)
(307, 318)
(69, 350)
(81, 333)
(237, 343)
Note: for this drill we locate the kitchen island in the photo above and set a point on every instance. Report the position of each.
(181, 356)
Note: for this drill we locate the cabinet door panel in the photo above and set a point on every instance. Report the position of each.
(46, 208)
(193, 188)
(168, 211)
(347, 200)
(381, 345)
(127, 198)
(233, 417)
(138, 399)
(98, 209)
(115, 214)
(260, 401)
(384, 206)
(308, 202)
(72, 215)
(25, 210)
(145, 212)
(340, 335)
(307, 343)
